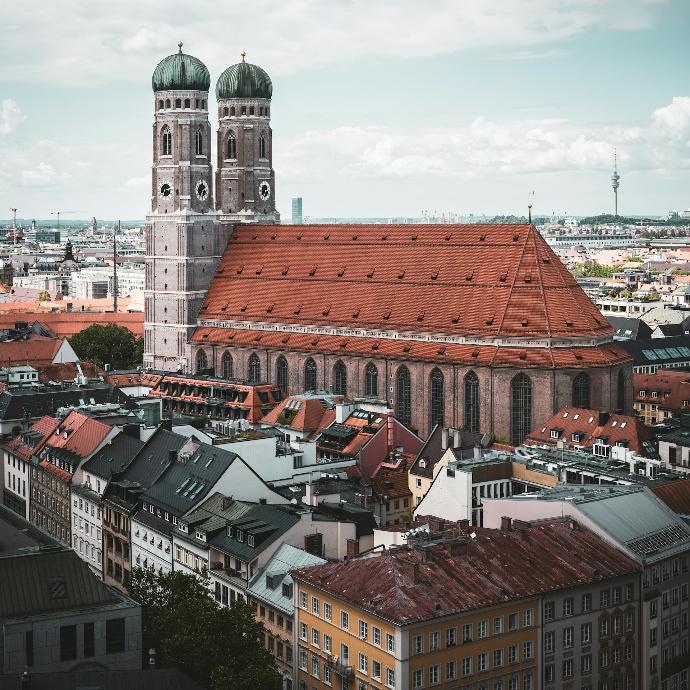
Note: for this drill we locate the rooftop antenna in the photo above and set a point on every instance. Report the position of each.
(14, 224)
(530, 196)
(615, 182)
(115, 266)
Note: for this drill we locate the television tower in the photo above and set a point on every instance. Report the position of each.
(615, 183)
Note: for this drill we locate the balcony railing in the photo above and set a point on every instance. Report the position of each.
(341, 666)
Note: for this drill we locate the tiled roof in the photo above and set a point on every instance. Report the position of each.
(42, 429)
(405, 585)
(79, 434)
(604, 355)
(301, 413)
(482, 280)
(676, 495)
(590, 425)
(37, 351)
(66, 324)
(670, 390)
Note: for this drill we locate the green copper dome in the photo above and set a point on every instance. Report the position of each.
(244, 80)
(181, 72)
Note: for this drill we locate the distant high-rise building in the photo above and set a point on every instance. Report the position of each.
(615, 183)
(297, 210)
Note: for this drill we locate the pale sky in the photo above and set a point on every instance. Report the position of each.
(380, 107)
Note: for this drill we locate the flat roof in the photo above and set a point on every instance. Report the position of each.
(17, 536)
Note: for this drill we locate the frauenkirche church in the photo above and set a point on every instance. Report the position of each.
(472, 326)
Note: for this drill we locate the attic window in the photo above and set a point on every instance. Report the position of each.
(528, 278)
(455, 319)
(371, 273)
(243, 307)
(258, 337)
(285, 271)
(407, 348)
(259, 270)
(341, 272)
(503, 277)
(274, 236)
(250, 540)
(420, 317)
(355, 313)
(224, 307)
(343, 343)
(297, 309)
(205, 335)
(313, 271)
(314, 341)
(475, 353)
(375, 346)
(516, 238)
(422, 463)
(414, 238)
(326, 311)
(441, 351)
(546, 260)
(447, 237)
(354, 237)
(578, 357)
(299, 236)
(240, 269)
(524, 323)
(231, 336)
(327, 236)
(523, 355)
(384, 237)
(285, 339)
(269, 309)
(490, 320)
(387, 315)
(482, 238)
(469, 275)
(569, 323)
(434, 275)
(401, 275)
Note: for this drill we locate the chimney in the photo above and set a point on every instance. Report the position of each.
(410, 569)
(574, 525)
(262, 501)
(444, 438)
(428, 555)
(435, 524)
(603, 418)
(506, 523)
(456, 438)
(459, 548)
(166, 424)
(391, 432)
(463, 524)
(226, 502)
(172, 455)
(313, 544)
(352, 548)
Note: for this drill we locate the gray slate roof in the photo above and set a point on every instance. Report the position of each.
(283, 560)
(114, 457)
(211, 516)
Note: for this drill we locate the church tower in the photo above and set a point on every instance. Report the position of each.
(184, 240)
(245, 180)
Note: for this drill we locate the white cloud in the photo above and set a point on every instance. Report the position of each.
(10, 116)
(138, 183)
(486, 148)
(41, 175)
(104, 42)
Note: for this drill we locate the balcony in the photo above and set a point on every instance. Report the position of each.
(341, 666)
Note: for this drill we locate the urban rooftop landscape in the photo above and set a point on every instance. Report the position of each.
(312, 383)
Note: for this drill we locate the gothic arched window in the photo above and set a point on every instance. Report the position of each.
(340, 378)
(371, 380)
(581, 390)
(262, 146)
(201, 362)
(621, 392)
(254, 368)
(232, 110)
(310, 383)
(167, 102)
(471, 422)
(282, 374)
(226, 365)
(403, 401)
(232, 145)
(436, 397)
(166, 141)
(520, 408)
(199, 142)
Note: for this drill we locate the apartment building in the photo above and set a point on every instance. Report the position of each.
(459, 609)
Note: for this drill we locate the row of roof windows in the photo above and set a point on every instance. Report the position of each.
(666, 353)
(385, 236)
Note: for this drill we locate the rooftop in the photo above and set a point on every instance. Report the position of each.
(474, 571)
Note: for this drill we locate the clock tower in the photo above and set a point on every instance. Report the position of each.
(245, 180)
(184, 240)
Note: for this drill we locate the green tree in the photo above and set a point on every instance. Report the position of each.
(218, 646)
(594, 270)
(109, 344)
(43, 296)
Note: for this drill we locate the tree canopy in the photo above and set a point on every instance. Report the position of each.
(109, 344)
(595, 270)
(218, 646)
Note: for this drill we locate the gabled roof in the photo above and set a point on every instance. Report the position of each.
(78, 434)
(676, 495)
(410, 584)
(35, 350)
(28, 444)
(308, 413)
(267, 583)
(589, 425)
(668, 389)
(66, 324)
(493, 280)
(114, 456)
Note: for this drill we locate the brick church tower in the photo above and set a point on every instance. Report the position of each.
(184, 240)
(245, 181)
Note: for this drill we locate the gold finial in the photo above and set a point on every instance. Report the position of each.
(243, 54)
(179, 45)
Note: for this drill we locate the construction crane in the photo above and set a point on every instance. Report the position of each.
(59, 213)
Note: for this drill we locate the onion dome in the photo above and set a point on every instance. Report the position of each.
(181, 72)
(244, 80)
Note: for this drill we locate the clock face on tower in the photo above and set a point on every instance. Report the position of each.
(264, 190)
(165, 189)
(201, 190)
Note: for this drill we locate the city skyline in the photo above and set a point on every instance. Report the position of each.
(514, 99)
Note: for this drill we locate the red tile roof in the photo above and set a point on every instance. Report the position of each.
(310, 417)
(672, 389)
(477, 355)
(590, 425)
(484, 280)
(406, 585)
(36, 351)
(66, 324)
(83, 434)
(44, 426)
(675, 494)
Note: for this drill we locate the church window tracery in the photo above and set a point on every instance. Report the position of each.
(403, 407)
(310, 383)
(166, 141)
(520, 408)
(199, 142)
(232, 145)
